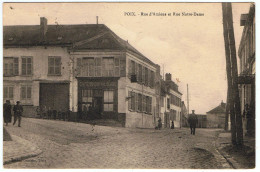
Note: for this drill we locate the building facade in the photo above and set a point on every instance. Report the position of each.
(170, 103)
(216, 116)
(246, 79)
(86, 69)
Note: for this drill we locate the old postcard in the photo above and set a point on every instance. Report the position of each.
(128, 85)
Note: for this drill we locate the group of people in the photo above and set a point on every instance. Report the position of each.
(192, 119)
(18, 111)
(48, 113)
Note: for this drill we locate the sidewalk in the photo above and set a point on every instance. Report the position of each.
(18, 149)
(238, 158)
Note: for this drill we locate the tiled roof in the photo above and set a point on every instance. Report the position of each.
(79, 37)
(219, 109)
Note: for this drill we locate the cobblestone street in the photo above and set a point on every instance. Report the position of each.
(77, 145)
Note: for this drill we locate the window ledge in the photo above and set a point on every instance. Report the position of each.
(54, 75)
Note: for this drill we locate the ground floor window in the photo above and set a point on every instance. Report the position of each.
(139, 102)
(108, 100)
(26, 92)
(87, 96)
(8, 92)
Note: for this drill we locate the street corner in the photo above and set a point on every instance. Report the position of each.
(18, 149)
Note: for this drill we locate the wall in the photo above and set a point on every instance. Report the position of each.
(215, 120)
(39, 72)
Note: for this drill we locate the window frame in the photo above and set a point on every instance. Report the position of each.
(109, 102)
(8, 92)
(15, 67)
(54, 66)
(26, 66)
(26, 92)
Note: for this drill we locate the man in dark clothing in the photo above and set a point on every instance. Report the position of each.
(193, 120)
(7, 112)
(18, 111)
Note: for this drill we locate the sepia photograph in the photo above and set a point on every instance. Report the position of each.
(128, 85)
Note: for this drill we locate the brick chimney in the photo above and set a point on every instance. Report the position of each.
(168, 77)
(43, 28)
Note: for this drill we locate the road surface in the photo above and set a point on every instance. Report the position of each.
(77, 145)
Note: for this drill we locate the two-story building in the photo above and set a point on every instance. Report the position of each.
(246, 79)
(80, 68)
(170, 102)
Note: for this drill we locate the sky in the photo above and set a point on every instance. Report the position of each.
(191, 48)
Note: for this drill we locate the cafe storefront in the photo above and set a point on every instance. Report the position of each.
(98, 98)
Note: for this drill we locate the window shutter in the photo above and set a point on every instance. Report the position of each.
(5, 92)
(129, 68)
(122, 66)
(117, 67)
(136, 102)
(137, 71)
(78, 68)
(129, 100)
(149, 78)
(143, 74)
(16, 66)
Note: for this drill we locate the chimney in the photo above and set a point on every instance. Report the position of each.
(43, 27)
(168, 77)
(97, 19)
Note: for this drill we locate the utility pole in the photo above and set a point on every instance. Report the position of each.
(188, 98)
(231, 67)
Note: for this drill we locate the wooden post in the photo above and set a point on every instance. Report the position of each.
(229, 75)
(239, 126)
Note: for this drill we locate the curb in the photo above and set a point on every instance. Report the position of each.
(227, 157)
(22, 154)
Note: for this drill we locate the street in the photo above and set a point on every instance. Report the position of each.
(78, 145)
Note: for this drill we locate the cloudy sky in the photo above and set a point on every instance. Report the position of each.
(191, 48)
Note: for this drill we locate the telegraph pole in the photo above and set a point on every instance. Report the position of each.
(231, 67)
(188, 98)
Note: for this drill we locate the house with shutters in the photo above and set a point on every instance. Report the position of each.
(80, 68)
(170, 102)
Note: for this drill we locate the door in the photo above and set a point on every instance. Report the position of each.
(55, 96)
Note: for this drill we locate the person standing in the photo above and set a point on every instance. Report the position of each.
(7, 112)
(18, 111)
(193, 121)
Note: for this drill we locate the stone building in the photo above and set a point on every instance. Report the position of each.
(216, 116)
(80, 68)
(170, 102)
(246, 79)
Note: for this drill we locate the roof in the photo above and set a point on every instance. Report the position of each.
(79, 37)
(219, 109)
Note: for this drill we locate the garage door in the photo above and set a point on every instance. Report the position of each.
(55, 96)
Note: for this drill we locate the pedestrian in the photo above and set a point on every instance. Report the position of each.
(193, 121)
(159, 123)
(7, 112)
(18, 111)
(172, 127)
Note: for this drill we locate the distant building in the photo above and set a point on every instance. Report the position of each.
(184, 115)
(170, 102)
(216, 116)
(202, 120)
(246, 79)
(80, 68)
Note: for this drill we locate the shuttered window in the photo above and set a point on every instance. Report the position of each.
(54, 65)
(26, 65)
(11, 66)
(117, 67)
(26, 92)
(79, 64)
(8, 92)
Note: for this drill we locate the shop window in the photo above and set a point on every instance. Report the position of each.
(11, 66)
(26, 92)
(26, 65)
(108, 100)
(54, 66)
(87, 96)
(8, 92)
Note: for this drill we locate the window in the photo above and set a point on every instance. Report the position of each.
(132, 103)
(132, 67)
(26, 92)
(162, 101)
(11, 66)
(140, 73)
(152, 79)
(144, 103)
(8, 92)
(26, 65)
(108, 100)
(87, 95)
(54, 66)
(146, 76)
(88, 66)
(108, 66)
(168, 103)
(79, 63)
